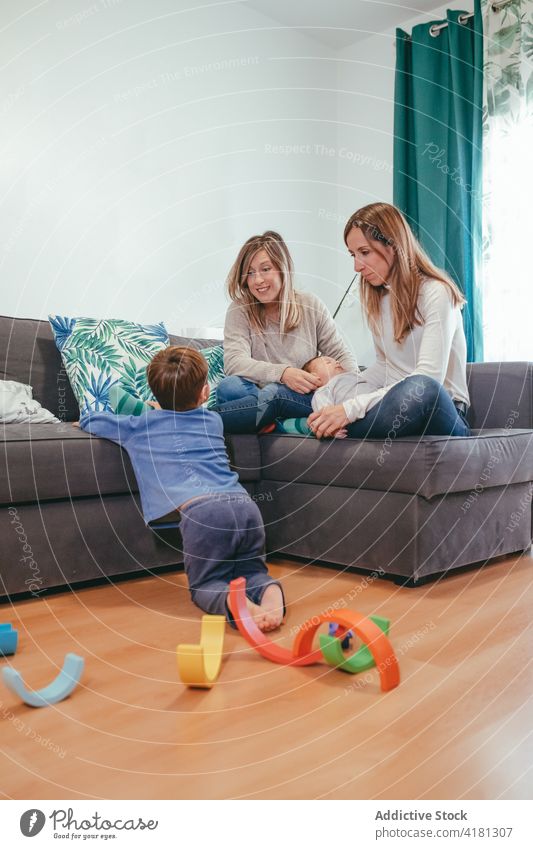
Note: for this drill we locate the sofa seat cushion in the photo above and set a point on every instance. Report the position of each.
(43, 462)
(55, 461)
(428, 466)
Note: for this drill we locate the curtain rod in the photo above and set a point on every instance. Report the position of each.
(497, 6)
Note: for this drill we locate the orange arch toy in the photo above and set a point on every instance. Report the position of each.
(302, 653)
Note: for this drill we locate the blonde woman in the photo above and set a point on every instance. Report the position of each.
(418, 383)
(271, 331)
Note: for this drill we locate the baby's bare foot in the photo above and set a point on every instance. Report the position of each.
(272, 606)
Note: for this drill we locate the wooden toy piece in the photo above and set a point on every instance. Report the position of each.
(8, 639)
(256, 638)
(59, 689)
(367, 631)
(302, 653)
(199, 665)
(331, 647)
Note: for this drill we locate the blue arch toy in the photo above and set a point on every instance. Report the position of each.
(59, 689)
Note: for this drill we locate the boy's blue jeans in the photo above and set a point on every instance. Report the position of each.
(245, 408)
(223, 538)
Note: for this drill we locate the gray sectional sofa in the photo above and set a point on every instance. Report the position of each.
(407, 508)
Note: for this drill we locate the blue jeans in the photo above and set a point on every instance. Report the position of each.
(417, 406)
(245, 408)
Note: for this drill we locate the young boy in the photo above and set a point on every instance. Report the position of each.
(179, 458)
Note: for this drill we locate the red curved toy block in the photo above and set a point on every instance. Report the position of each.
(302, 653)
(256, 638)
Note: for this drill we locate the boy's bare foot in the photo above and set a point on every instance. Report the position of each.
(269, 614)
(258, 615)
(272, 606)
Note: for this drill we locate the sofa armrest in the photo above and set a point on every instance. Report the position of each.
(501, 395)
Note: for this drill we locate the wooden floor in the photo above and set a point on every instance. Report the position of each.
(459, 725)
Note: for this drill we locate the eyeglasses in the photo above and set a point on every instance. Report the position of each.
(267, 272)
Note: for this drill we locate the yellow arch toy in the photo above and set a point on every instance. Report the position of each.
(199, 665)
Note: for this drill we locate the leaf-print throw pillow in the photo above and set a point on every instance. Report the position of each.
(215, 370)
(100, 353)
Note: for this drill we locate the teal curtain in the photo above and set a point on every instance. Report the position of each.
(437, 150)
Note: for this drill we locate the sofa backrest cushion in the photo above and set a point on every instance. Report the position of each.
(198, 344)
(28, 354)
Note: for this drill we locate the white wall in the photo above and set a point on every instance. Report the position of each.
(365, 103)
(142, 143)
(140, 151)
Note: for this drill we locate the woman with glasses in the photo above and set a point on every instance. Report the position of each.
(271, 332)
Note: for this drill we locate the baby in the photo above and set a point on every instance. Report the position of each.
(337, 385)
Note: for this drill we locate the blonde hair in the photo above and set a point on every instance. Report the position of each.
(383, 223)
(290, 312)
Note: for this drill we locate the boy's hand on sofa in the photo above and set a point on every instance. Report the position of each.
(328, 421)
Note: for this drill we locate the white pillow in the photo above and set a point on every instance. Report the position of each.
(17, 406)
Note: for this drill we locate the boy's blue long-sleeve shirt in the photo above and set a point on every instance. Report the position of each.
(175, 455)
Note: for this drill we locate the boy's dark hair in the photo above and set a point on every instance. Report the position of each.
(176, 376)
